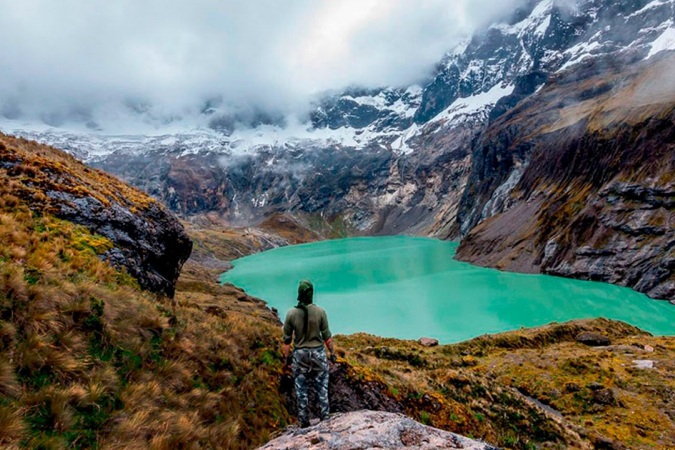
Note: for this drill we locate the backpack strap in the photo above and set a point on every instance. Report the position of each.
(303, 307)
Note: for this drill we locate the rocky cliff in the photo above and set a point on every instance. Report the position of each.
(146, 240)
(578, 179)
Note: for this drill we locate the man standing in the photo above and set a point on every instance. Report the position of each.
(306, 326)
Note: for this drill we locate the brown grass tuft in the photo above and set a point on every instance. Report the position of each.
(9, 385)
(12, 427)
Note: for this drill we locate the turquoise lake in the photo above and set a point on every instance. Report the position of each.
(408, 287)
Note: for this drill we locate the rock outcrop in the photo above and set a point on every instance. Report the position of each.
(373, 191)
(147, 241)
(347, 392)
(371, 429)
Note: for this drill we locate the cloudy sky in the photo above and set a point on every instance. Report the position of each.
(78, 56)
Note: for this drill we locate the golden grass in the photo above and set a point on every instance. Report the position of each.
(480, 387)
(37, 170)
(88, 360)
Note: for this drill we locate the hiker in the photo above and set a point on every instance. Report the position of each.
(306, 326)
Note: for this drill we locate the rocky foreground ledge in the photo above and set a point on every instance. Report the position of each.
(371, 429)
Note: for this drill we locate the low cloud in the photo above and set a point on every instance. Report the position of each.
(95, 59)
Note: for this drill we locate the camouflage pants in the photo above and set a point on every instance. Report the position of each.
(308, 364)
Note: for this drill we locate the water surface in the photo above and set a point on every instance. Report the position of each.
(408, 287)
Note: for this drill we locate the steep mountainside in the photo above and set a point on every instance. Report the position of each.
(89, 360)
(581, 188)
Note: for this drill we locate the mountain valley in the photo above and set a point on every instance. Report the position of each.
(463, 151)
(544, 143)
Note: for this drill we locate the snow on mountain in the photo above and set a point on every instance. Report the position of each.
(666, 41)
(92, 147)
(479, 103)
(540, 38)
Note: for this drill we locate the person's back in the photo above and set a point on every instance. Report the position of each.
(314, 334)
(306, 326)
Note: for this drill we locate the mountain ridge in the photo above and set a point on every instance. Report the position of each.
(595, 182)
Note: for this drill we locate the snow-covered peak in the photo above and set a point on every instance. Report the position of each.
(537, 22)
(665, 41)
(540, 39)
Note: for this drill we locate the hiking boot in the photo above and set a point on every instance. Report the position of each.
(304, 424)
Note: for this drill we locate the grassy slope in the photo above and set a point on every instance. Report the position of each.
(38, 169)
(89, 360)
(480, 388)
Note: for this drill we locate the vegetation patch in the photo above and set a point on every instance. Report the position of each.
(534, 388)
(88, 360)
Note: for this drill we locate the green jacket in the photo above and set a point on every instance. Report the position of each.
(294, 326)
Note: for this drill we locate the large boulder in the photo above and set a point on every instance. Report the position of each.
(592, 339)
(371, 429)
(147, 241)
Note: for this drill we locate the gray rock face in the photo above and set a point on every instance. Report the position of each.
(639, 253)
(371, 430)
(150, 244)
(592, 339)
(593, 195)
(384, 109)
(373, 190)
(148, 241)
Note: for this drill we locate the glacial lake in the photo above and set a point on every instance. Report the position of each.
(409, 287)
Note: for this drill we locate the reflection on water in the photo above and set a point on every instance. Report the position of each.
(408, 287)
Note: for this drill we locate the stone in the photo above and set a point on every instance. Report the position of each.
(469, 361)
(592, 339)
(604, 443)
(649, 348)
(428, 342)
(643, 364)
(553, 393)
(215, 311)
(604, 397)
(572, 387)
(371, 429)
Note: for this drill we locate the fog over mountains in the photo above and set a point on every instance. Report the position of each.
(131, 67)
(224, 85)
(352, 73)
